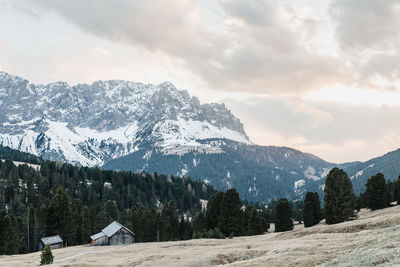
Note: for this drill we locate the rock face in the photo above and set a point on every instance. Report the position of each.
(134, 126)
(91, 124)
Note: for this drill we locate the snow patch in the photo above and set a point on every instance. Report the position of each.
(182, 136)
(325, 172)
(297, 187)
(361, 172)
(310, 173)
(148, 154)
(72, 143)
(299, 183)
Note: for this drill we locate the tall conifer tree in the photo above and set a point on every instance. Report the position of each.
(339, 197)
(60, 217)
(231, 217)
(283, 216)
(213, 212)
(377, 195)
(308, 214)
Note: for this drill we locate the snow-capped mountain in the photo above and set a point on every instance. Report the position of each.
(134, 126)
(91, 124)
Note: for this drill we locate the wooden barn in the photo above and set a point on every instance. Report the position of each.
(53, 241)
(113, 234)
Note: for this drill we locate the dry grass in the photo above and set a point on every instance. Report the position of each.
(372, 239)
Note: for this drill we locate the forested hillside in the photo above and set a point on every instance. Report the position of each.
(360, 172)
(77, 202)
(16, 155)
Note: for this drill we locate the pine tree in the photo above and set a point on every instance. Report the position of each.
(316, 208)
(42, 221)
(200, 222)
(254, 223)
(308, 214)
(86, 225)
(46, 257)
(173, 221)
(213, 212)
(231, 214)
(397, 191)
(339, 197)
(311, 209)
(9, 234)
(31, 229)
(265, 221)
(283, 216)
(60, 217)
(377, 195)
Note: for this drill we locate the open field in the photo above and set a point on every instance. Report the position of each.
(17, 163)
(373, 239)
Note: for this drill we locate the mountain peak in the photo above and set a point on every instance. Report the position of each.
(5, 77)
(116, 115)
(167, 84)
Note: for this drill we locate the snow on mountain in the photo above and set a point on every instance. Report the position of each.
(361, 172)
(155, 128)
(299, 187)
(91, 124)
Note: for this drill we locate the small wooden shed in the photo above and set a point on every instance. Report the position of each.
(53, 241)
(114, 234)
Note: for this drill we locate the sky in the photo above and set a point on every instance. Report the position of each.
(319, 76)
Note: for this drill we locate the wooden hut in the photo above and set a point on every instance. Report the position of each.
(113, 234)
(53, 241)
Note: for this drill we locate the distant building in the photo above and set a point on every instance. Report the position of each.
(53, 241)
(113, 234)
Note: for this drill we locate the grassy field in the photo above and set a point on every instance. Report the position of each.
(373, 239)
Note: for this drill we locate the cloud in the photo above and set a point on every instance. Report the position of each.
(367, 24)
(259, 13)
(254, 46)
(366, 31)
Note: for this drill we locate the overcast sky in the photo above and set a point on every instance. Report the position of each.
(319, 76)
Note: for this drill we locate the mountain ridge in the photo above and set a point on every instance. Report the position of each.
(112, 116)
(157, 128)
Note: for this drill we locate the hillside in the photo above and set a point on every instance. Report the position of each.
(15, 155)
(360, 172)
(370, 240)
(259, 173)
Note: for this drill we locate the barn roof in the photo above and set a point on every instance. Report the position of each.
(110, 230)
(49, 240)
(114, 227)
(97, 236)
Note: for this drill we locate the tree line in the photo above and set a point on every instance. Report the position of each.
(77, 202)
(340, 202)
(226, 216)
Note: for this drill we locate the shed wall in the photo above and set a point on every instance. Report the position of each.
(102, 241)
(58, 245)
(122, 237)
